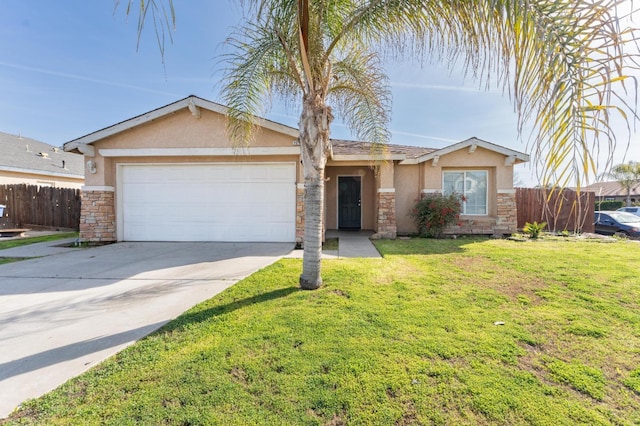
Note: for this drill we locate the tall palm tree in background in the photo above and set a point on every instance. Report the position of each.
(564, 63)
(627, 175)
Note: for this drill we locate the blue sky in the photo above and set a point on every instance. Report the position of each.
(70, 68)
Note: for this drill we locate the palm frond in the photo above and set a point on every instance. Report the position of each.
(163, 17)
(360, 94)
(258, 68)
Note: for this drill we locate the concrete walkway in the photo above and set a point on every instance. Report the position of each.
(65, 312)
(351, 244)
(47, 248)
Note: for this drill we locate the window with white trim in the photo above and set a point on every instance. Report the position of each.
(472, 184)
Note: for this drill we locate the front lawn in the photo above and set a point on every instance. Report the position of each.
(450, 332)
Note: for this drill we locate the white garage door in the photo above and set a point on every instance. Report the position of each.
(208, 202)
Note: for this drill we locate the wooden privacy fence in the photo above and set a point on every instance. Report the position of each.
(562, 210)
(41, 206)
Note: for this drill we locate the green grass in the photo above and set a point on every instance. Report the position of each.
(414, 338)
(330, 244)
(5, 244)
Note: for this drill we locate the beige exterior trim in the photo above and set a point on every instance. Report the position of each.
(431, 191)
(87, 150)
(198, 152)
(99, 188)
(300, 185)
(386, 190)
(506, 191)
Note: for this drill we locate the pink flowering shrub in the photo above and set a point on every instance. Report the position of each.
(433, 213)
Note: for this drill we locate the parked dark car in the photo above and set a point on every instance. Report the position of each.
(617, 223)
(633, 210)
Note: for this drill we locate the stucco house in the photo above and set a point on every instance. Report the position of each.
(172, 175)
(28, 161)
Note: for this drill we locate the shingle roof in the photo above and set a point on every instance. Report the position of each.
(611, 189)
(344, 147)
(21, 154)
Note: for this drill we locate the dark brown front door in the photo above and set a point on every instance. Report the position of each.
(349, 202)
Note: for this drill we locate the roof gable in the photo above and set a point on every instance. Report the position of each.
(193, 103)
(512, 157)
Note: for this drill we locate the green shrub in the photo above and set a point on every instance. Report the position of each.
(533, 229)
(433, 213)
(609, 205)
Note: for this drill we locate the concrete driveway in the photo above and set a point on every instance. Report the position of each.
(64, 313)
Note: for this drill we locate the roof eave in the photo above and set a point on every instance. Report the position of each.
(41, 172)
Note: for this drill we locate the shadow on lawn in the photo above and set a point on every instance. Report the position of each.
(200, 316)
(425, 246)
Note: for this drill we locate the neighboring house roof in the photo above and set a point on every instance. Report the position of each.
(24, 155)
(193, 103)
(611, 189)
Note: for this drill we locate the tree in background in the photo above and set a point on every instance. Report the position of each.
(564, 63)
(627, 175)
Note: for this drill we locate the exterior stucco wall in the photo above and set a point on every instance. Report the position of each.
(407, 184)
(501, 209)
(181, 130)
(481, 159)
(14, 178)
(389, 190)
(368, 195)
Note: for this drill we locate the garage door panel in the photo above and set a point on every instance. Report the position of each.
(208, 202)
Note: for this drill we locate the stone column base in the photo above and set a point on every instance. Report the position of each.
(98, 216)
(507, 217)
(387, 227)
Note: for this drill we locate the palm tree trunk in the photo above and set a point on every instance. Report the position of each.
(311, 278)
(314, 143)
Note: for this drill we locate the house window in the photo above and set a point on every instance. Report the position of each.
(471, 184)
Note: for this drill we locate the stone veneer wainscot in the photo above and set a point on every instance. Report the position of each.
(98, 215)
(387, 227)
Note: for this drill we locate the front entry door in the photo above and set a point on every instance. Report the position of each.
(349, 210)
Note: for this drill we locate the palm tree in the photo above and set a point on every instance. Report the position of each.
(563, 62)
(627, 175)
